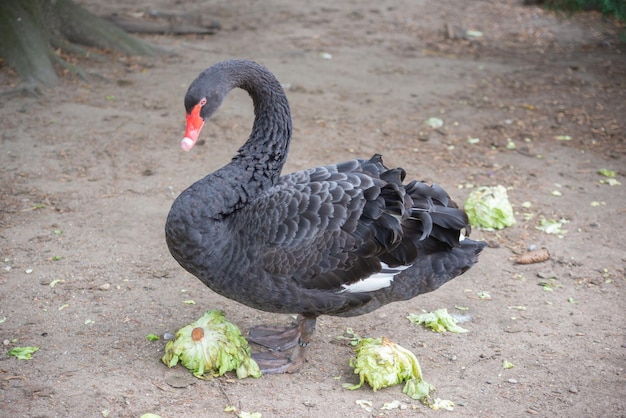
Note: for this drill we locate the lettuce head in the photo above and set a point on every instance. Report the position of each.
(489, 207)
(211, 346)
(381, 362)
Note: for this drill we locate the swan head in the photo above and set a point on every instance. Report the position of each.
(203, 98)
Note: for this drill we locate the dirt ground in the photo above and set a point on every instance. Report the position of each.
(89, 171)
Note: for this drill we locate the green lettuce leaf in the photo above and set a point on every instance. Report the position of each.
(211, 346)
(382, 363)
(439, 321)
(489, 207)
(22, 353)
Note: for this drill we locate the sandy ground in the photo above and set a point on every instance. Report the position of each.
(88, 173)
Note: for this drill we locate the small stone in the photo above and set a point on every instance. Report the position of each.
(573, 389)
(105, 286)
(513, 381)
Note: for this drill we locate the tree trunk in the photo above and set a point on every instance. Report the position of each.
(32, 30)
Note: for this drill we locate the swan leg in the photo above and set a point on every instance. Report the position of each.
(275, 338)
(278, 339)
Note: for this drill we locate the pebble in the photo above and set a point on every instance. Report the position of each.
(168, 336)
(513, 381)
(105, 286)
(573, 389)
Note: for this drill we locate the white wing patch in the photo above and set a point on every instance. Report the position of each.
(376, 281)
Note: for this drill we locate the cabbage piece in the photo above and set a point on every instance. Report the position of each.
(489, 207)
(439, 321)
(380, 362)
(211, 346)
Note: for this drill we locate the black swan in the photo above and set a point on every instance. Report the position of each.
(343, 239)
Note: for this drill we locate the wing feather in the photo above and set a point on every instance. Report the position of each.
(330, 227)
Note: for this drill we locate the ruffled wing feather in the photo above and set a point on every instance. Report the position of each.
(330, 227)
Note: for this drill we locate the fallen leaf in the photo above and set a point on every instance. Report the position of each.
(531, 257)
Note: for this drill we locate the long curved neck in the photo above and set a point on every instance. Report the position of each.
(265, 151)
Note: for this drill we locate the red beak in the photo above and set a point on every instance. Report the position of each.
(194, 126)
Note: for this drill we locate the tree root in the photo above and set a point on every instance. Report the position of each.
(31, 31)
(58, 43)
(75, 69)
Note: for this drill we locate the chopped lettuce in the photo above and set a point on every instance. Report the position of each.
(611, 182)
(22, 353)
(442, 404)
(211, 346)
(439, 321)
(552, 226)
(381, 362)
(606, 172)
(489, 207)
